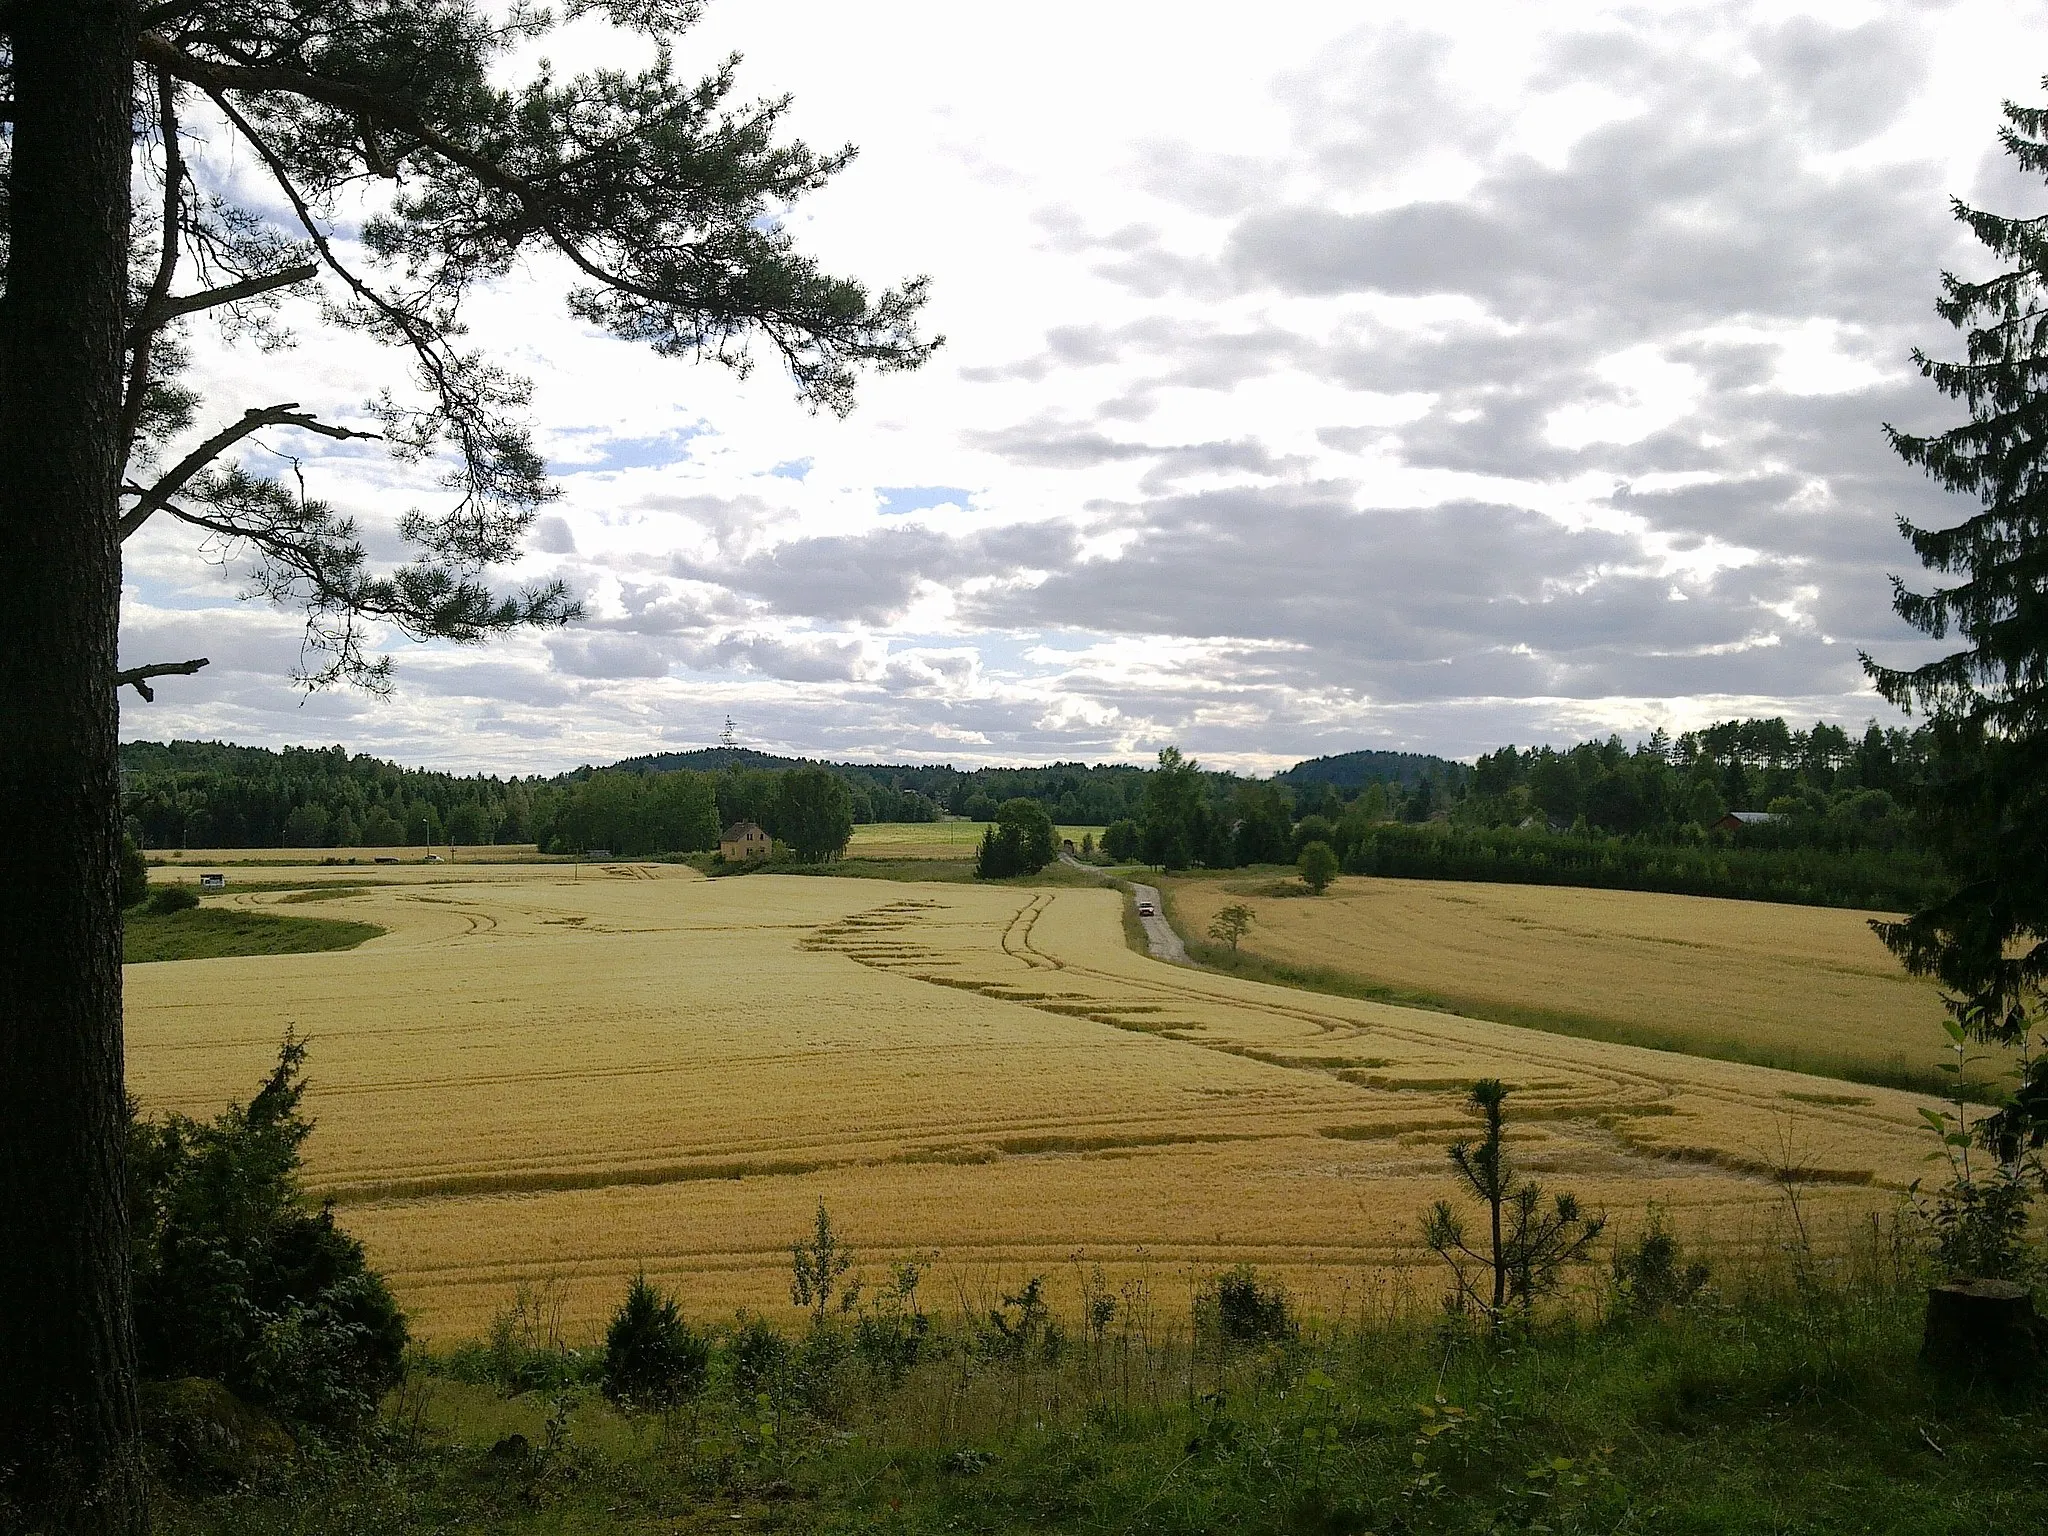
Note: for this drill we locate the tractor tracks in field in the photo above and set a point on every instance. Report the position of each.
(1562, 1083)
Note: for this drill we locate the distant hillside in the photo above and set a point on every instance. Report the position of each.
(1354, 770)
(708, 760)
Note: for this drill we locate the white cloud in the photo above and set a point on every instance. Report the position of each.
(1309, 384)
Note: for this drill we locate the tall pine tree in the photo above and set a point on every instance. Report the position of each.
(384, 160)
(1983, 797)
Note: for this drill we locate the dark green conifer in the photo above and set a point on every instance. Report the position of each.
(1983, 795)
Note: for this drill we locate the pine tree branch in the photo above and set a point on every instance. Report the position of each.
(138, 677)
(369, 107)
(253, 420)
(214, 78)
(166, 310)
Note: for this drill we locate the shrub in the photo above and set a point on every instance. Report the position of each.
(524, 1350)
(166, 899)
(890, 1334)
(759, 1356)
(652, 1358)
(817, 1269)
(134, 873)
(237, 1282)
(1238, 1308)
(1652, 1275)
(1023, 1327)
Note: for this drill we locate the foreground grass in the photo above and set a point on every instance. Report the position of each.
(1802, 1411)
(205, 933)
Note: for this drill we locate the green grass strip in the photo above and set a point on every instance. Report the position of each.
(209, 933)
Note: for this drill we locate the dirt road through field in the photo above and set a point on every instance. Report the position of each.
(1164, 943)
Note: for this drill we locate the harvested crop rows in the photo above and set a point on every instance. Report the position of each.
(540, 1076)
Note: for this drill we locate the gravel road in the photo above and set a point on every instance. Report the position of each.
(1159, 934)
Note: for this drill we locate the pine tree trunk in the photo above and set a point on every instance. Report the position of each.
(68, 1449)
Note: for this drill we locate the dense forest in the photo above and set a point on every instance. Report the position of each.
(1653, 816)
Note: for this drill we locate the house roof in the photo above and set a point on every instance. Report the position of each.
(1753, 818)
(740, 831)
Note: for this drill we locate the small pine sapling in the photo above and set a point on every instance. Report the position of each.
(1529, 1241)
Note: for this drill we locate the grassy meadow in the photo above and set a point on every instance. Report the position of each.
(208, 933)
(575, 1074)
(1806, 988)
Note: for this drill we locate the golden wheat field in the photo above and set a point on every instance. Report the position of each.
(1805, 986)
(931, 839)
(532, 1076)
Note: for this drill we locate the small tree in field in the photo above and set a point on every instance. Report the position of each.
(818, 1269)
(1318, 866)
(1528, 1241)
(1231, 924)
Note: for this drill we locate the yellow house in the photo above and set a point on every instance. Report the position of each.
(743, 840)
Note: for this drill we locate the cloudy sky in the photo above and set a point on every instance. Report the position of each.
(1464, 375)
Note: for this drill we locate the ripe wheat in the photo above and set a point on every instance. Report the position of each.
(638, 1067)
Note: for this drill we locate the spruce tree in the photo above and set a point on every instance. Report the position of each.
(1982, 796)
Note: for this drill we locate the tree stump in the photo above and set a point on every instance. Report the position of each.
(1982, 1328)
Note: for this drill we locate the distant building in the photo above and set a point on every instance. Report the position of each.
(1735, 821)
(743, 840)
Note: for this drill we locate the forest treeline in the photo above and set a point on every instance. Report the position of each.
(1832, 828)
(192, 794)
(1651, 816)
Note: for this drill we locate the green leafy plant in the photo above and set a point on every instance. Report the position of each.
(134, 873)
(166, 899)
(891, 1331)
(758, 1356)
(1653, 1275)
(818, 1266)
(1529, 1240)
(1979, 1215)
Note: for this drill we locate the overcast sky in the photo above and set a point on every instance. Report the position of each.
(1475, 374)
